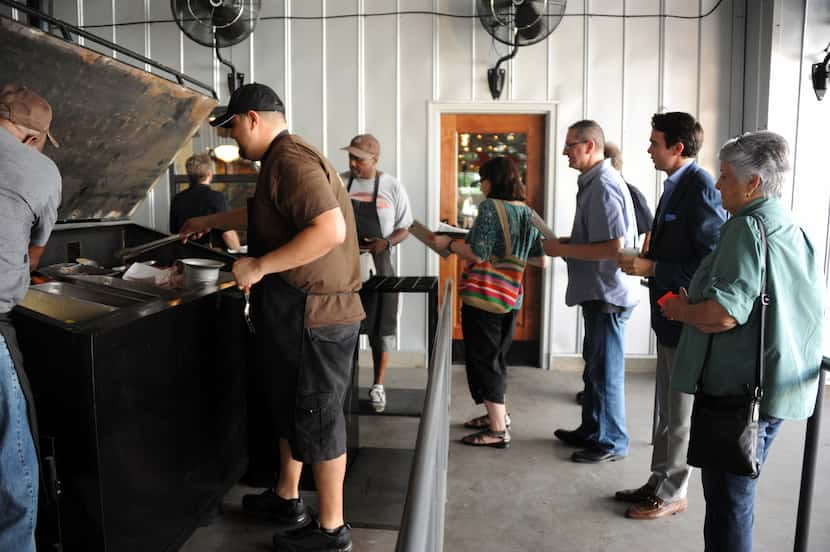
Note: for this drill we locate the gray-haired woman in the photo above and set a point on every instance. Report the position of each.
(722, 305)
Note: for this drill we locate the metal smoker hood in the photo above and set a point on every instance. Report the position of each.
(119, 126)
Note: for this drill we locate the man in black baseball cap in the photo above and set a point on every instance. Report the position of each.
(251, 97)
(303, 275)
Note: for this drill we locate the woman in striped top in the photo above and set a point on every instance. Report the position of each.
(499, 245)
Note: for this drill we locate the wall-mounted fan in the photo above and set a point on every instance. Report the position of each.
(517, 23)
(218, 24)
(820, 74)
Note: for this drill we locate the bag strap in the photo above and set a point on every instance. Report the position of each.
(505, 228)
(763, 297)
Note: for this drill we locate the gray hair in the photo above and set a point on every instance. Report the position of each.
(590, 130)
(762, 153)
(614, 153)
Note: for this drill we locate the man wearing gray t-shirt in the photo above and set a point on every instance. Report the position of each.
(604, 223)
(383, 218)
(30, 187)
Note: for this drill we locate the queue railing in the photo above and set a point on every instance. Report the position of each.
(422, 523)
(808, 466)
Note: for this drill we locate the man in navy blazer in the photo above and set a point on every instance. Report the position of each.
(686, 228)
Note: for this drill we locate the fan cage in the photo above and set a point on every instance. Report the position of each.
(499, 18)
(216, 23)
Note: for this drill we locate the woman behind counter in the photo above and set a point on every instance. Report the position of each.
(722, 306)
(488, 333)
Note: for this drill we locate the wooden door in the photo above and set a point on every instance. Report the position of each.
(467, 141)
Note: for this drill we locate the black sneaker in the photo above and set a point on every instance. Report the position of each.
(312, 538)
(288, 514)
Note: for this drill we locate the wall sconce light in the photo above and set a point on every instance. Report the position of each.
(820, 73)
(227, 153)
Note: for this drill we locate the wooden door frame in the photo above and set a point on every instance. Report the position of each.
(550, 111)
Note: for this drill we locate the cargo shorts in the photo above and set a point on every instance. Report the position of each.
(311, 414)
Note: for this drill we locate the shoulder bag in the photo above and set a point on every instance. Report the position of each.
(494, 285)
(724, 430)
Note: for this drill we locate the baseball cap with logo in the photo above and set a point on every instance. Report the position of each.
(364, 146)
(250, 97)
(26, 108)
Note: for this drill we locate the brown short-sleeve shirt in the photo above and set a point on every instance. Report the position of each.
(295, 185)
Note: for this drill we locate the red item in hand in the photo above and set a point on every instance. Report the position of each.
(666, 297)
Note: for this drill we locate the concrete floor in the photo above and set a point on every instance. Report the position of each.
(531, 497)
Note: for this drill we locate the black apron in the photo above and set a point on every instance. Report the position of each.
(278, 314)
(381, 308)
(8, 333)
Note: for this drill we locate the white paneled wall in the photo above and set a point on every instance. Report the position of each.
(379, 74)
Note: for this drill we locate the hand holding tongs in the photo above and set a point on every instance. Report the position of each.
(247, 310)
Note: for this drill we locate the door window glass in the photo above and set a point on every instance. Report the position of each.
(473, 151)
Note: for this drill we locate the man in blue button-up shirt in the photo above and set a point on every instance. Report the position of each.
(686, 229)
(604, 223)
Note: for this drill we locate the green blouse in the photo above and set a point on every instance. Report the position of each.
(486, 237)
(732, 275)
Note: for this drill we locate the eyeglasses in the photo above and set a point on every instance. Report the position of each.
(571, 145)
(237, 119)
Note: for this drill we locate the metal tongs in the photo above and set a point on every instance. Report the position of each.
(130, 252)
(247, 311)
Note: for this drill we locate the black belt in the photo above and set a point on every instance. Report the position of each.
(603, 306)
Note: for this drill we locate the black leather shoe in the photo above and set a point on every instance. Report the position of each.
(595, 455)
(572, 438)
(286, 514)
(313, 538)
(634, 496)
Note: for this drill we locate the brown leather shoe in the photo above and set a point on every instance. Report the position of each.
(655, 508)
(640, 494)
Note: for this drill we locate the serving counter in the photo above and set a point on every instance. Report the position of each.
(140, 394)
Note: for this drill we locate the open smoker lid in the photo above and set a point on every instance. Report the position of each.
(118, 126)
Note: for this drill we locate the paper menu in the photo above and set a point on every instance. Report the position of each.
(427, 237)
(449, 230)
(540, 224)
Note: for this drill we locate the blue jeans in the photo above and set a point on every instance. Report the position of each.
(18, 463)
(603, 404)
(730, 500)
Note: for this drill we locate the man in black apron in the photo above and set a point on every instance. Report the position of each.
(383, 217)
(303, 276)
(30, 190)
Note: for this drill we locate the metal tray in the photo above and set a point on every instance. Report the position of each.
(69, 310)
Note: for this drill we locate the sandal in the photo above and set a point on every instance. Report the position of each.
(483, 422)
(478, 439)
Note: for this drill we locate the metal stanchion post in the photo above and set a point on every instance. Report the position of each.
(808, 468)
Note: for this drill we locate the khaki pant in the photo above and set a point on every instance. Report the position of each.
(669, 471)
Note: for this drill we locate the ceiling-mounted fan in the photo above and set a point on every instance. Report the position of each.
(517, 23)
(218, 24)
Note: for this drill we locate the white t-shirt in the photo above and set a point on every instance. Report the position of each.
(393, 203)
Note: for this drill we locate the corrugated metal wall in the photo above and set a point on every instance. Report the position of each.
(348, 75)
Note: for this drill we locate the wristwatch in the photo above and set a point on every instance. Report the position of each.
(388, 245)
